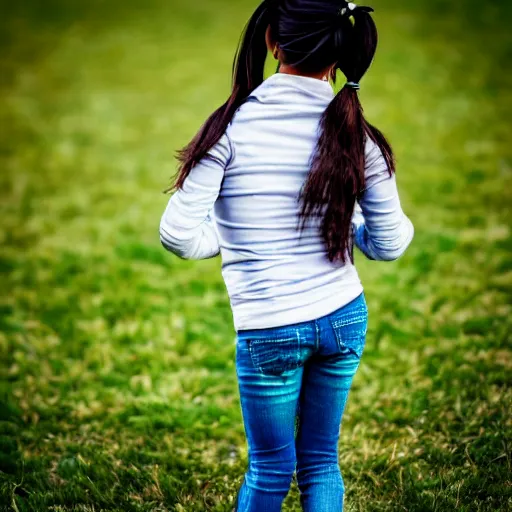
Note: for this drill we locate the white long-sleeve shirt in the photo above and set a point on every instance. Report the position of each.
(242, 201)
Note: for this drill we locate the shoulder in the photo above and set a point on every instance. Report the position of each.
(373, 154)
(222, 152)
(376, 168)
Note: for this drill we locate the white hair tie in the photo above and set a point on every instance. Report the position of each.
(349, 7)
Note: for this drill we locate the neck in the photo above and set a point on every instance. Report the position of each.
(285, 69)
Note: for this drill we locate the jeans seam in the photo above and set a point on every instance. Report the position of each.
(251, 356)
(343, 346)
(342, 322)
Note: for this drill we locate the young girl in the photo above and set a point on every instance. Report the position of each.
(271, 182)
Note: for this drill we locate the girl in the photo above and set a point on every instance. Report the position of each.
(271, 182)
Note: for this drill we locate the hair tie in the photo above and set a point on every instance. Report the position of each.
(353, 85)
(348, 7)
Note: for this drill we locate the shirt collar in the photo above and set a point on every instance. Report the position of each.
(280, 82)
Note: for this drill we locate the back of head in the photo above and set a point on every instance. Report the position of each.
(311, 36)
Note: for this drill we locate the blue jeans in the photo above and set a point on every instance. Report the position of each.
(294, 383)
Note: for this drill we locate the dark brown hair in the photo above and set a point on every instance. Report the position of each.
(312, 35)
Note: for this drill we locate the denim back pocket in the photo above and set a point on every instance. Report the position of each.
(275, 354)
(350, 325)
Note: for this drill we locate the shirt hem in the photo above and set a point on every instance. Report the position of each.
(265, 319)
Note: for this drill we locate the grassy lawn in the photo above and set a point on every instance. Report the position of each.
(117, 381)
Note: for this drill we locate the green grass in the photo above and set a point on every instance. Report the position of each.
(118, 390)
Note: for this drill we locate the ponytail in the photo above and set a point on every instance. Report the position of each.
(337, 175)
(311, 36)
(248, 69)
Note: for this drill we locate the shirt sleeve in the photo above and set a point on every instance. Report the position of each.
(381, 229)
(188, 227)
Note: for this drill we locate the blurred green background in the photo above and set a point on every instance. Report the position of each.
(118, 390)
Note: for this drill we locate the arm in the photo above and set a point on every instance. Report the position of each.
(381, 229)
(187, 227)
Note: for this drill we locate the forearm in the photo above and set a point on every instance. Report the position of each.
(187, 227)
(388, 245)
(186, 237)
(200, 243)
(381, 229)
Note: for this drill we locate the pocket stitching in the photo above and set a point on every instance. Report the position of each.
(260, 341)
(356, 317)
